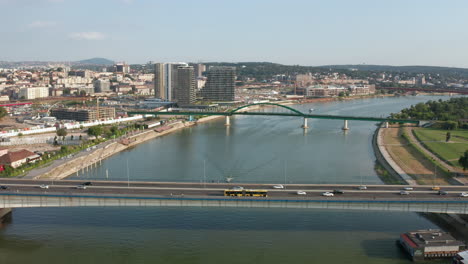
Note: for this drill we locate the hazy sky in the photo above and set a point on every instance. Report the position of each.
(305, 32)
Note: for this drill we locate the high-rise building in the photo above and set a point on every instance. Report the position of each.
(122, 67)
(185, 88)
(102, 86)
(199, 70)
(220, 85)
(165, 80)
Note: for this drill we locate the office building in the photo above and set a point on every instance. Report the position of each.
(220, 84)
(91, 114)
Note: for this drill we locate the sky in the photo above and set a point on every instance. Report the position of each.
(303, 32)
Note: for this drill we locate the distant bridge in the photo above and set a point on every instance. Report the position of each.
(420, 89)
(242, 110)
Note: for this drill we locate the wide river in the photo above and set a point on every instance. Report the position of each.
(253, 149)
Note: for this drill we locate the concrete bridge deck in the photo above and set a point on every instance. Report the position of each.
(27, 193)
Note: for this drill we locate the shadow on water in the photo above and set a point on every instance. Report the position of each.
(210, 219)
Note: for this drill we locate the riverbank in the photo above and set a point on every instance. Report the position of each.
(87, 159)
(398, 170)
(61, 169)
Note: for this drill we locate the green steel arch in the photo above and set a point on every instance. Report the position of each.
(299, 113)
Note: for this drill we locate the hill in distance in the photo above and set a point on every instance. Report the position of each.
(96, 61)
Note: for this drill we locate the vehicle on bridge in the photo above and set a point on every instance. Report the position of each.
(464, 194)
(244, 192)
(43, 186)
(279, 186)
(328, 194)
(404, 193)
(301, 193)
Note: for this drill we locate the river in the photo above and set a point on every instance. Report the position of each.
(253, 149)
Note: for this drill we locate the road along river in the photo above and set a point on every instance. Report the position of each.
(271, 150)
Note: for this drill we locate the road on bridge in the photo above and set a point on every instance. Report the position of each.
(207, 190)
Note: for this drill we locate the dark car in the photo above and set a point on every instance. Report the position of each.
(443, 193)
(3, 187)
(338, 191)
(87, 183)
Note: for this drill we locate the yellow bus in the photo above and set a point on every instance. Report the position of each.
(256, 193)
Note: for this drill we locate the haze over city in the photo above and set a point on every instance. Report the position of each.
(294, 32)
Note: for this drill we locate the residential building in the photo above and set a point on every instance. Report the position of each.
(18, 158)
(122, 67)
(30, 93)
(220, 84)
(185, 89)
(102, 86)
(165, 80)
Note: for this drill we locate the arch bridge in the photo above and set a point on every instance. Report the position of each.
(243, 110)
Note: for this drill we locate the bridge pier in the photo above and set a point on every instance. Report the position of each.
(304, 124)
(228, 121)
(345, 125)
(4, 214)
(386, 124)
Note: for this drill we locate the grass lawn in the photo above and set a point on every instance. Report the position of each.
(434, 140)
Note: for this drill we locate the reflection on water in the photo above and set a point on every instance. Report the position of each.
(252, 149)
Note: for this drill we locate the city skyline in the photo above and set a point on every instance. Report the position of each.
(301, 32)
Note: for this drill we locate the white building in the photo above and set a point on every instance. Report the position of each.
(33, 92)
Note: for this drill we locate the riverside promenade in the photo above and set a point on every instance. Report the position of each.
(62, 168)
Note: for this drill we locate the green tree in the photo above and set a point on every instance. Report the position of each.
(95, 131)
(3, 112)
(447, 137)
(61, 132)
(463, 161)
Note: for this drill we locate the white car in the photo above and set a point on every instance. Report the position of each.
(362, 187)
(408, 188)
(237, 188)
(279, 186)
(328, 194)
(83, 187)
(43, 186)
(463, 194)
(301, 193)
(404, 193)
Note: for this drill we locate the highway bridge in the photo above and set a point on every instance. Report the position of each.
(421, 89)
(64, 193)
(244, 110)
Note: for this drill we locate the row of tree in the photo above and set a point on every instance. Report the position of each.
(454, 110)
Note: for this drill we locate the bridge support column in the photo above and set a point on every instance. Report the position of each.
(4, 214)
(228, 121)
(345, 125)
(386, 124)
(304, 124)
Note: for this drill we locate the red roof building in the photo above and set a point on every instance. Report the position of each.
(18, 158)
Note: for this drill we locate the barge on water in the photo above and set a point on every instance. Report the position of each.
(430, 244)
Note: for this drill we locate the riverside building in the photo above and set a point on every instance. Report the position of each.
(220, 84)
(430, 244)
(83, 114)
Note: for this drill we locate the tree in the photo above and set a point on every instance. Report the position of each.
(447, 137)
(463, 161)
(95, 131)
(62, 132)
(82, 93)
(3, 112)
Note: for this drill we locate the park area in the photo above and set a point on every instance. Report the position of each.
(435, 141)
